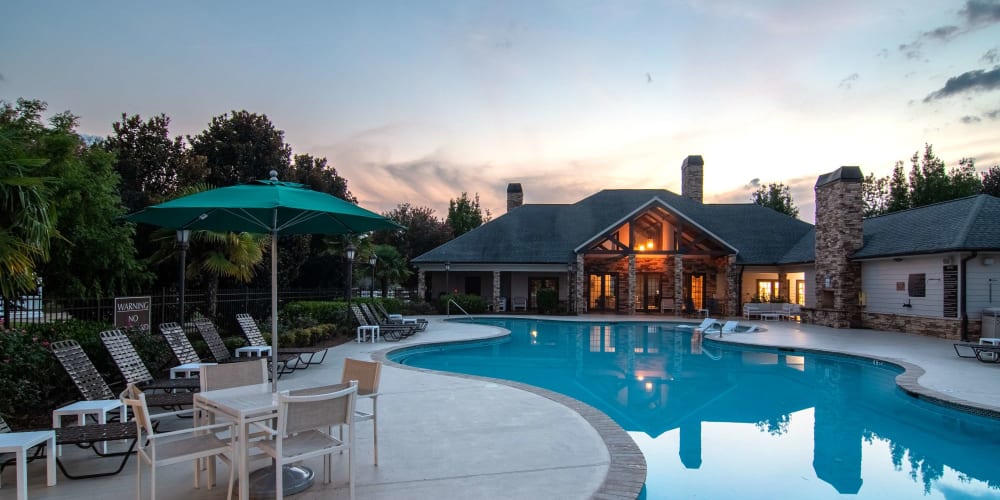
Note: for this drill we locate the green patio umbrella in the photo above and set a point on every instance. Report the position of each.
(265, 206)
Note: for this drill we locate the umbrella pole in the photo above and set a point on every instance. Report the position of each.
(274, 305)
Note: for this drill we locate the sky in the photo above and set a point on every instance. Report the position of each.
(419, 101)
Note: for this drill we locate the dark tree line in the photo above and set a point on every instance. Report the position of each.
(928, 182)
(62, 199)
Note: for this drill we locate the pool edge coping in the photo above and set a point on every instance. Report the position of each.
(906, 381)
(626, 474)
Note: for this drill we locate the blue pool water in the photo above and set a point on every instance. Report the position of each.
(724, 422)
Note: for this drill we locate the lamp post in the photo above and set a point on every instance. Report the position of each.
(371, 261)
(447, 277)
(183, 239)
(350, 271)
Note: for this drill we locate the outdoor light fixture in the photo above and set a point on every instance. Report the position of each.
(183, 239)
(349, 252)
(447, 277)
(371, 261)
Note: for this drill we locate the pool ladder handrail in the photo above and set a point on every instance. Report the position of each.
(448, 308)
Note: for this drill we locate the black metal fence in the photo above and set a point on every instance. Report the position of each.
(164, 305)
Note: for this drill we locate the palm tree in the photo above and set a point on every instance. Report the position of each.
(25, 223)
(391, 268)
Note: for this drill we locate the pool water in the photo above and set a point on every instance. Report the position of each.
(715, 421)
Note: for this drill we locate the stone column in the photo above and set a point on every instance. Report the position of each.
(732, 286)
(496, 290)
(630, 303)
(421, 284)
(679, 283)
(839, 233)
(786, 293)
(578, 283)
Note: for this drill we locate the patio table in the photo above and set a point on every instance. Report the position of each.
(19, 443)
(244, 405)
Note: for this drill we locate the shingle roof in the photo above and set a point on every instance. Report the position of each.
(549, 233)
(971, 223)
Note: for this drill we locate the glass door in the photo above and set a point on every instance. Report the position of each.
(602, 295)
(647, 292)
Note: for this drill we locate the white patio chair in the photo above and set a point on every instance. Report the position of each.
(184, 445)
(519, 303)
(306, 419)
(667, 305)
(367, 374)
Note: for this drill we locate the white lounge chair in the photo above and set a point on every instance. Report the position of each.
(708, 324)
(733, 327)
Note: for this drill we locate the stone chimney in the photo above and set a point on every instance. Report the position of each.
(839, 233)
(515, 197)
(693, 177)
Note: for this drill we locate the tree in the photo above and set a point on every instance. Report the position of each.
(777, 197)
(26, 226)
(464, 214)
(391, 267)
(991, 181)
(899, 191)
(875, 195)
(241, 147)
(318, 175)
(149, 162)
(931, 183)
(93, 256)
(424, 232)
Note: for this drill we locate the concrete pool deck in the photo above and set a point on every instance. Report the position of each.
(445, 436)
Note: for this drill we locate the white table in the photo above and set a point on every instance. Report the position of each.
(254, 350)
(373, 329)
(187, 370)
(19, 443)
(80, 409)
(244, 406)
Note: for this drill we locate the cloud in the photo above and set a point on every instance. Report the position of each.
(974, 14)
(882, 54)
(848, 83)
(991, 56)
(980, 12)
(992, 115)
(970, 81)
(753, 184)
(968, 119)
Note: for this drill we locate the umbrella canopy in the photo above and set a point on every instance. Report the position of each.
(265, 206)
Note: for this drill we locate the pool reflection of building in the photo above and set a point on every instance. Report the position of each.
(654, 379)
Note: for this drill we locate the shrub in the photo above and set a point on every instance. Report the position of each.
(548, 301)
(472, 304)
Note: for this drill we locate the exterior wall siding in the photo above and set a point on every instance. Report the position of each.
(983, 285)
(882, 278)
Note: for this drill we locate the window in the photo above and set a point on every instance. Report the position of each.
(917, 285)
(768, 290)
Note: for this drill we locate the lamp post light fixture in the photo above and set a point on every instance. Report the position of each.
(183, 241)
(371, 261)
(349, 252)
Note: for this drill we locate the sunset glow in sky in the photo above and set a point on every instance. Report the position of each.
(418, 101)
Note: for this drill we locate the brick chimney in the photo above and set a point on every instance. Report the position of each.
(839, 233)
(515, 196)
(693, 177)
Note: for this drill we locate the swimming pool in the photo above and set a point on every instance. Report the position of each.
(726, 422)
